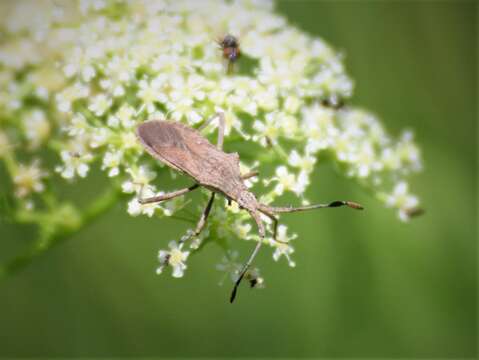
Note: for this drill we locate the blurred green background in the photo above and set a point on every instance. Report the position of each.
(365, 284)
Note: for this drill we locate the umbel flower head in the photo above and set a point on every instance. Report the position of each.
(78, 77)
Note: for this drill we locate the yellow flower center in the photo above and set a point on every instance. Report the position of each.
(176, 257)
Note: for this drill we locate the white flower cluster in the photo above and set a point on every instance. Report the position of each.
(77, 77)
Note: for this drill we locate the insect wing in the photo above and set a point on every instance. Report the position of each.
(178, 146)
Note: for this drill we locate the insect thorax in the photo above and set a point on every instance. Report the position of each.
(247, 200)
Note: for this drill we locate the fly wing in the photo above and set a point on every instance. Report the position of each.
(180, 147)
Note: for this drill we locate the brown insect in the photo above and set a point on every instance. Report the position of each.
(187, 151)
(231, 51)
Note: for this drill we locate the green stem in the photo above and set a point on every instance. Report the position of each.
(60, 233)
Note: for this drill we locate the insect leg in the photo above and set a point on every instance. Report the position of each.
(221, 129)
(255, 215)
(288, 209)
(250, 175)
(274, 219)
(275, 227)
(169, 195)
(206, 212)
(207, 122)
(180, 192)
(204, 216)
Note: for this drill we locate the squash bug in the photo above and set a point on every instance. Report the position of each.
(187, 151)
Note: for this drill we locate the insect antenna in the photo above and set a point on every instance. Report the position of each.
(288, 209)
(255, 215)
(244, 270)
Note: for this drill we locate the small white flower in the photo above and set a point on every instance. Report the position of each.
(119, 71)
(302, 182)
(37, 127)
(230, 266)
(79, 63)
(292, 104)
(100, 104)
(344, 147)
(175, 258)
(129, 140)
(113, 121)
(184, 93)
(28, 179)
(115, 89)
(88, 73)
(408, 152)
(286, 180)
(268, 131)
(320, 128)
(288, 124)
(282, 74)
(77, 126)
(125, 116)
(401, 199)
(74, 163)
(152, 91)
(365, 160)
(135, 208)
(166, 63)
(100, 137)
(140, 177)
(112, 161)
(198, 239)
(267, 98)
(390, 159)
(242, 230)
(66, 97)
(282, 246)
(305, 163)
